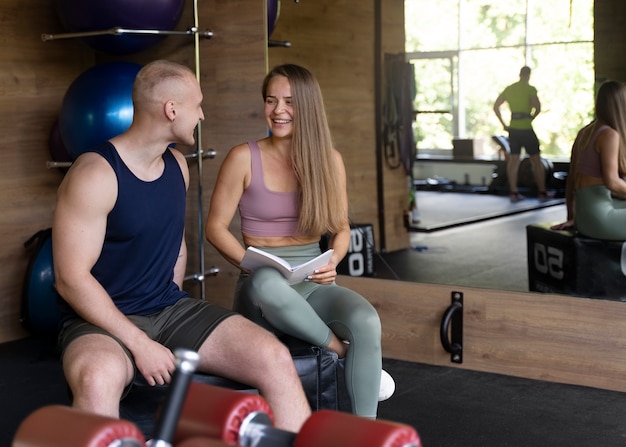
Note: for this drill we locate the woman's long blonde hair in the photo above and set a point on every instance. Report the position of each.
(322, 207)
(611, 109)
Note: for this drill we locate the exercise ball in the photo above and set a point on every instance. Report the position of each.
(97, 15)
(56, 147)
(273, 12)
(40, 310)
(97, 106)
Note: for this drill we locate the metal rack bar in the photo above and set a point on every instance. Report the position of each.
(209, 153)
(199, 277)
(193, 31)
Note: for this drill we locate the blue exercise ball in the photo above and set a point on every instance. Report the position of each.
(40, 311)
(97, 15)
(97, 106)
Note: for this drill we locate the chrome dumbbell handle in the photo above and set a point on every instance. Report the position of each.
(165, 427)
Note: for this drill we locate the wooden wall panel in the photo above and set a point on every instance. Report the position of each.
(609, 39)
(545, 337)
(336, 41)
(34, 76)
(233, 64)
(395, 181)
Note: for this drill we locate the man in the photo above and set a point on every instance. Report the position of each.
(119, 259)
(525, 106)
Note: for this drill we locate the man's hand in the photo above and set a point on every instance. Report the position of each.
(155, 362)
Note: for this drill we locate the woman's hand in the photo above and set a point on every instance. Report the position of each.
(324, 275)
(568, 225)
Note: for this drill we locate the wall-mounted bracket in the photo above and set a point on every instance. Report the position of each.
(452, 326)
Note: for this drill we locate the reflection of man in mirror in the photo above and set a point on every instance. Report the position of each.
(525, 106)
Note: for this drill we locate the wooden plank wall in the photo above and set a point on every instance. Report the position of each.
(395, 184)
(335, 39)
(33, 80)
(609, 39)
(545, 337)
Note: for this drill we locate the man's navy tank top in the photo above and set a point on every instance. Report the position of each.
(143, 237)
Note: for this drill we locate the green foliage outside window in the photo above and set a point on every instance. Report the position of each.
(466, 52)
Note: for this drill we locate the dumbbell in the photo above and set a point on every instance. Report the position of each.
(62, 426)
(167, 419)
(218, 413)
(246, 420)
(329, 428)
(59, 426)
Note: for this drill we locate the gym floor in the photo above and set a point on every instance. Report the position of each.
(489, 253)
(447, 406)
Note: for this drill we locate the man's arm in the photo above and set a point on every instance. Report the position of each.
(536, 106)
(496, 109)
(181, 265)
(84, 200)
(85, 197)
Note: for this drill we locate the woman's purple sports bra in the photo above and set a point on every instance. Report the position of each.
(589, 163)
(264, 212)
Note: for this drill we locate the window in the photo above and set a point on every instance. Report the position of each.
(465, 52)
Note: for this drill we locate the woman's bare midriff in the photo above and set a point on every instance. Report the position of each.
(278, 241)
(587, 180)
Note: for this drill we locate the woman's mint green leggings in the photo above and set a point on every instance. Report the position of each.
(598, 215)
(310, 311)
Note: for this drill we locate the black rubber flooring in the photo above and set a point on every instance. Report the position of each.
(459, 408)
(449, 407)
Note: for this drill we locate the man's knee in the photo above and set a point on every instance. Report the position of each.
(276, 357)
(94, 371)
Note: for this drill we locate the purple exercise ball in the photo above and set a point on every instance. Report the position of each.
(273, 12)
(97, 15)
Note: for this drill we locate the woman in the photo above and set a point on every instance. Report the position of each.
(290, 189)
(596, 191)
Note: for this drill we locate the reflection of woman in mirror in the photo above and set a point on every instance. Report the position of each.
(596, 191)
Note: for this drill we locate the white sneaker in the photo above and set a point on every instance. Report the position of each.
(387, 386)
